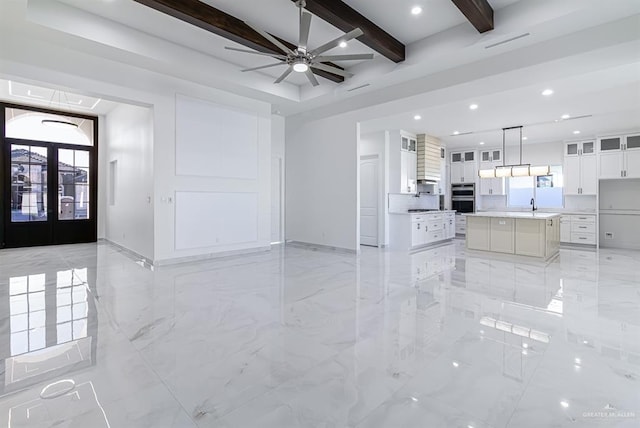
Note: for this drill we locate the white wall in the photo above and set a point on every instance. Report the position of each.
(278, 159)
(44, 62)
(550, 153)
(322, 175)
(377, 143)
(128, 214)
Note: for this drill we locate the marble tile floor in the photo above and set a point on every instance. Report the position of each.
(296, 337)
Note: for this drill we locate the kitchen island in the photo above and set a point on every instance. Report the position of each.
(521, 233)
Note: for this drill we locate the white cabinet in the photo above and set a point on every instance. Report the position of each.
(407, 172)
(580, 173)
(565, 228)
(460, 224)
(463, 167)
(449, 225)
(408, 164)
(408, 143)
(489, 159)
(418, 232)
(619, 157)
(632, 155)
(444, 179)
(578, 229)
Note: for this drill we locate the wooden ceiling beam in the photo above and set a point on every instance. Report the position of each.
(345, 18)
(228, 26)
(478, 12)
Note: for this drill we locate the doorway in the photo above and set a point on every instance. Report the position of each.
(369, 203)
(48, 165)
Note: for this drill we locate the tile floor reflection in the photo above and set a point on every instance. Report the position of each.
(300, 338)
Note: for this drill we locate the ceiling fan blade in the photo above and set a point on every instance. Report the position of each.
(330, 69)
(335, 42)
(284, 75)
(264, 66)
(272, 55)
(311, 77)
(352, 57)
(272, 39)
(305, 25)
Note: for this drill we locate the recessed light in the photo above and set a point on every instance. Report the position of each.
(525, 138)
(473, 107)
(455, 364)
(525, 345)
(416, 10)
(414, 399)
(565, 117)
(482, 143)
(564, 404)
(576, 132)
(417, 117)
(547, 92)
(343, 44)
(456, 132)
(578, 360)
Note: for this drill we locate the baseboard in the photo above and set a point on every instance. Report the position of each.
(130, 253)
(316, 247)
(211, 256)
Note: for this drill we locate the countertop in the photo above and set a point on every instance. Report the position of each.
(515, 214)
(424, 212)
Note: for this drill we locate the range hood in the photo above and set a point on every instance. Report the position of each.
(428, 159)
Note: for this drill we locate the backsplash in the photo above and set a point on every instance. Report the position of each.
(571, 204)
(400, 202)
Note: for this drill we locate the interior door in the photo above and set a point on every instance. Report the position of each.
(369, 202)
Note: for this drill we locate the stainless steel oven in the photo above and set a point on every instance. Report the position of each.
(463, 198)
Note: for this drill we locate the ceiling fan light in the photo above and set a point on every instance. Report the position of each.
(300, 67)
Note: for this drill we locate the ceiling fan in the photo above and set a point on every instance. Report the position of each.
(302, 60)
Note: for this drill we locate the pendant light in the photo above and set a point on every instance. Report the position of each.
(60, 122)
(519, 170)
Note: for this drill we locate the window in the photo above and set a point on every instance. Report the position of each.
(27, 125)
(546, 190)
(73, 184)
(28, 183)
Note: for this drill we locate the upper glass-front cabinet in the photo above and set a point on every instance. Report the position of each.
(579, 148)
(588, 147)
(611, 143)
(632, 142)
(52, 128)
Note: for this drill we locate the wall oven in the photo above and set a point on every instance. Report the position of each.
(463, 198)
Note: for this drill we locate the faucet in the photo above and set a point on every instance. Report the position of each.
(533, 204)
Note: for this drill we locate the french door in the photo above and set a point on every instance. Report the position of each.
(49, 189)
